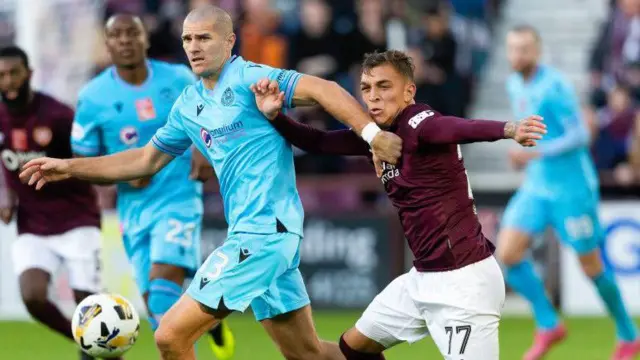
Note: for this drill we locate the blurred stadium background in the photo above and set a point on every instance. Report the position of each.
(353, 245)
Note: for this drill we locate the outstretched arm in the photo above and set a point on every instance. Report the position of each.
(302, 89)
(269, 100)
(312, 140)
(455, 130)
(437, 129)
(123, 166)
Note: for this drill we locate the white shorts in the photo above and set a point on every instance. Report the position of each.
(459, 308)
(78, 249)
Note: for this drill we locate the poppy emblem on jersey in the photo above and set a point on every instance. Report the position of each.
(129, 135)
(145, 109)
(42, 135)
(227, 97)
(19, 139)
(206, 137)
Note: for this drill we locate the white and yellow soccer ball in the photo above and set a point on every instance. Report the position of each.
(105, 325)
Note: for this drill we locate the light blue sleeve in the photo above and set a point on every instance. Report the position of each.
(561, 101)
(287, 79)
(172, 138)
(86, 133)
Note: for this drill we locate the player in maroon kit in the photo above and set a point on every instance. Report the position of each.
(60, 224)
(455, 292)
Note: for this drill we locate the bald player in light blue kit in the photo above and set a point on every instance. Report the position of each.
(561, 191)
(160, 217)
(257, 265)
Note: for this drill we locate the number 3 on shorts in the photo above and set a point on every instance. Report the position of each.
(222, 261)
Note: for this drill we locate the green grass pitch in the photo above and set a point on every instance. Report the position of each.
(589, 339)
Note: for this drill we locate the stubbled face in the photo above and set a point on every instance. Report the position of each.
(523, 51)
(14, 81)
(206, 48)
(126, 41)
(386, 93)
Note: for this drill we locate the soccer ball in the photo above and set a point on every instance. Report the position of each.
(105, 325)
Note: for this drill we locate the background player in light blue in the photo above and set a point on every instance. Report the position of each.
(161, 215)
(257, 265)
(561, 190)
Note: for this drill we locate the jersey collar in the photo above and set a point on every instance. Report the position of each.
(225, 69)
(142, 86)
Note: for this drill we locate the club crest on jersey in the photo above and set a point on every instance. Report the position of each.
(145, 109)
(42, 135)
(228, 97)
(129, 135)
(206, 137)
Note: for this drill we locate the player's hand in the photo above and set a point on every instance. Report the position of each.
(387, 147)
(44, 170)
(201, 169)
(527, 131)
(377, 164)
(520, 158)
(269, 98)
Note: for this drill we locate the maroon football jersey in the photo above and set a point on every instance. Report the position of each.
(429, 186)
(44, 130)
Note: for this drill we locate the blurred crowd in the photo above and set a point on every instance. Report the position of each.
(614, 106)
(449, 39)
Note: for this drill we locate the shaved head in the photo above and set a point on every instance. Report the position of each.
(219, 19)
(207, 39)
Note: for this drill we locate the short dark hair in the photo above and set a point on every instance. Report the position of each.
(14, 51)
(398, 59)
(526, 28)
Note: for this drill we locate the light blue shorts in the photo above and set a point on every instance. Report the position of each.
(170, 238)
(257, 270)
(574, 219)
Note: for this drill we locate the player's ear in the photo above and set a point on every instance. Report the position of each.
(231, 40)
(409, 92)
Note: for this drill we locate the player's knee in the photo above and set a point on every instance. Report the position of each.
(591, 264)
(167, 340)
(162, 295)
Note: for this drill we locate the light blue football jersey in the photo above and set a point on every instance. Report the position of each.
(565, 167)
(114, 116)
(254, 164)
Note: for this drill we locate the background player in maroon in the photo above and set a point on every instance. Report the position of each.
(58, 225)
(455, 291)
